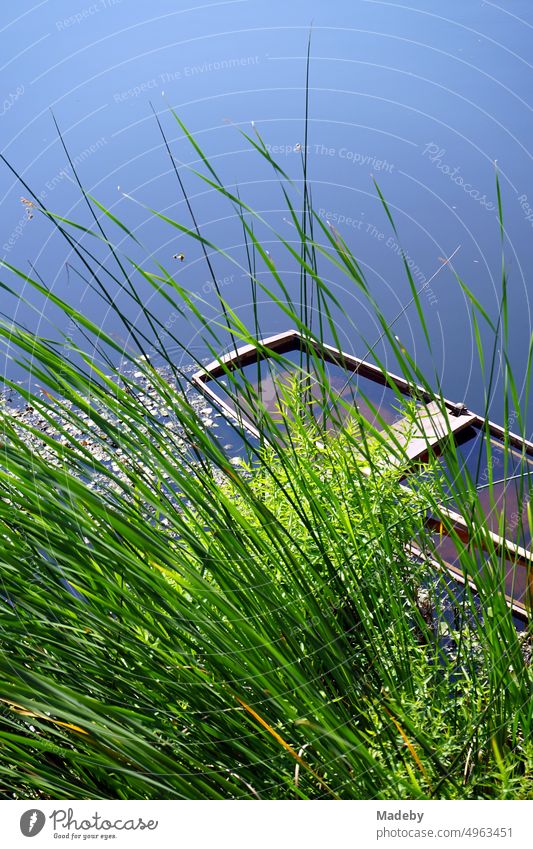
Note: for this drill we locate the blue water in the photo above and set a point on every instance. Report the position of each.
(423, 96)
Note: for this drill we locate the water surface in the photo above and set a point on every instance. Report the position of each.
(422, 98)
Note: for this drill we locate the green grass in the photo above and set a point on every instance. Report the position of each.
(192, 629)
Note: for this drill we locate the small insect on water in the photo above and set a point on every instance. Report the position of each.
(181, 257)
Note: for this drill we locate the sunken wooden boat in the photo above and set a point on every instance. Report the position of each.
(376, 393)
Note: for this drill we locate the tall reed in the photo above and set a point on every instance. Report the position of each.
(177, 626)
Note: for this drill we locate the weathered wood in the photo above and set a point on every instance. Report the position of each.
(499, 541)
(412, 440)
(246, 354)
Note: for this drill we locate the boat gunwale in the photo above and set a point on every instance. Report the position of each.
(249, 353)
(518, 608)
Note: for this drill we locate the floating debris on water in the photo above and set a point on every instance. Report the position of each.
(29, 206)
(100, 459)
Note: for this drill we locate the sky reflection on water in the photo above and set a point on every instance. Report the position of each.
(423, 100)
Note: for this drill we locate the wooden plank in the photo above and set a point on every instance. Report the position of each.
(412, 440)
(244, 355)
(518, 608)
(500, 542)
(500, 432)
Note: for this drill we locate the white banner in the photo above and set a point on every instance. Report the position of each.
(254, 825)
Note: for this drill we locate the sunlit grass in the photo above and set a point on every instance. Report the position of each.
(189, 628)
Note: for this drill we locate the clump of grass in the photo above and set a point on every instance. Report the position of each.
(192, 629)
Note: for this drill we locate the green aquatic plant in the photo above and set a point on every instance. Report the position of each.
(177, 623)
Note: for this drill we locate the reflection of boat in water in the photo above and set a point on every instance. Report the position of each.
(498, 462)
